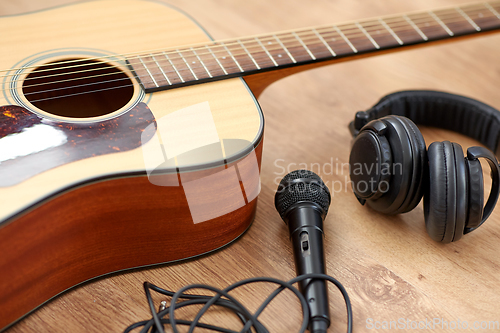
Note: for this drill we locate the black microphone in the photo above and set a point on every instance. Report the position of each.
(302, 199)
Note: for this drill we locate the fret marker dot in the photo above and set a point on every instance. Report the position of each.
(480, 14)
(269, 43)
(378, 32)
(223, 57)
(279, 55)
(194, 62)
(427, 24)
(333, 39)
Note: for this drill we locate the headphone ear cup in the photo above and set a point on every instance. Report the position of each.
(408, 168)
(402, 171)
(445, 203)
(419, 171)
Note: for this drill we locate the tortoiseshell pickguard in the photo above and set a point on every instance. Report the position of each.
(82, 140)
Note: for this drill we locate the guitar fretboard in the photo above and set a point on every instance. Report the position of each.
(249, 55)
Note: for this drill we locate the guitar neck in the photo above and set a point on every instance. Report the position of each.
(164, 69)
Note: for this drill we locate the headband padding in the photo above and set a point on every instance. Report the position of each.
(448, 111)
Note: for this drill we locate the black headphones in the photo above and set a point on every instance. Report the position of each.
(391, 170)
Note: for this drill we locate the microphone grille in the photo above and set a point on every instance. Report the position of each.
(301, 186)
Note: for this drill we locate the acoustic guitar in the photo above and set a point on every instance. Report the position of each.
(139, 132)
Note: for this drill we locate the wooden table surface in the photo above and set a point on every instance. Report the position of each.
(392, 270)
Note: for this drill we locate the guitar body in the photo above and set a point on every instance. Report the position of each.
(87, 207)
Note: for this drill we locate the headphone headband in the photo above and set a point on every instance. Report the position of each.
(438, 109)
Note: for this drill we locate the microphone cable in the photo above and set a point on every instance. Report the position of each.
(224, 299)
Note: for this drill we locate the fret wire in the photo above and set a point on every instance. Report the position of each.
(182, 69)
(408, 22)
(468, 8)
(350, 36)
(417, 20)
(490, 10)
(400, 42)
(396, 19)
(474, 25)
(187, 64)
(487, 5)
(438, 20)
(173, 66)
(478, 9)
(325, 43)
(360, 27)
(324, 28)
(251, 58)
(355, 35)
(284, 48)
(267, 52)
(229, 68)
(201, 62)
(417, 29)
(161, 69)
(214, 58)
(147, 70)
(213, 55)
(234, 59)
(345, 27)
(101, 83)
(422, 20)
(325, 53)
(340, 33)
(345, 39)
(159, 80)
(266, 56)
(304, 45)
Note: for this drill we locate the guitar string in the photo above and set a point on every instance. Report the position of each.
(252, 49)
(352, 36)
(455, 14)
(338, 44)
(319, 54)
(95, 90)
(387, 20)
(193, 67)
(100, 68)
(345, 27)
(267, 61)
(261, 56)
(216, 48)
(202, 44)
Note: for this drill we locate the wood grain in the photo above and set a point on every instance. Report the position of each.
(389, 266)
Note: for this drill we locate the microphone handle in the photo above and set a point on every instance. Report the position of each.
(306, 231)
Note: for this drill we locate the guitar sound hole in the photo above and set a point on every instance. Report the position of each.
(78, 88)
